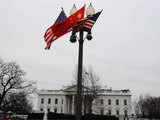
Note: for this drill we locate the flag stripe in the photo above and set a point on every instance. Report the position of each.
(89, 21)
(50, 38)
(88, 24)
(50, 41)
(48, 31)
(50, 35)
(46, 35)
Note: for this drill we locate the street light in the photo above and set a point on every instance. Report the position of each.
(90, 10)
(73, 10)
(73, 38)
(89, 35)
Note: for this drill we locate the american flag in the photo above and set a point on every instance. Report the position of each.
(88, 22)
(49, 36)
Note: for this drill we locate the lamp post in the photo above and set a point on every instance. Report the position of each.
(73, 39)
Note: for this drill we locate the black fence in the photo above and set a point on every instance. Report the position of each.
(56, 116)
(35, 116)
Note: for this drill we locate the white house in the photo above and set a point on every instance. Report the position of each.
(108, 101)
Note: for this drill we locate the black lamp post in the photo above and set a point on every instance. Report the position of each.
(73, 39)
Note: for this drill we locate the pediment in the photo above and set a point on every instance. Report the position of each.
(73, 88)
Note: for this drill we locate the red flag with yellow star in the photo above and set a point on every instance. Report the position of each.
(76, 17)
(66, 26)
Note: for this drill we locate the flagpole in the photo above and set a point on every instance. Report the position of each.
(79, 81)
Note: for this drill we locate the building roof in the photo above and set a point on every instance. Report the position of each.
(72, 90)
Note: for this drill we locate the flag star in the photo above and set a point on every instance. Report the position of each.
(79, 15)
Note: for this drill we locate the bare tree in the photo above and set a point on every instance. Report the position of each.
(12, 81)
(91, 86)
(149, 106)
(19, 103)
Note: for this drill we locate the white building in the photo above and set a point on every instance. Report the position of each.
(108, 101)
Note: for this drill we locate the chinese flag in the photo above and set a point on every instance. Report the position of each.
(72, 20)
(65, 26)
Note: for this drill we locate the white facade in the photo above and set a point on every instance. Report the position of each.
(111, 102)
(52, 100)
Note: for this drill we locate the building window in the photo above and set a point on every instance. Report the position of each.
(101, 101)
(56, 101)
(55, 110)
(125, 102)
(117, 112)
(48, 109)
(42, 100)
(125, 112)
(102, 111)
(109, 101)
(49, 100)
(41, 109)
(117, 102)
(109, 112)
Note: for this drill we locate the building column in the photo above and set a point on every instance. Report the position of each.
(70, 104)
(65, 105)
(73, 100)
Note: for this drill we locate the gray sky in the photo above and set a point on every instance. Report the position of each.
(124, 51)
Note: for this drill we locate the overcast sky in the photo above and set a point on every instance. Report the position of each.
(124, 51)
